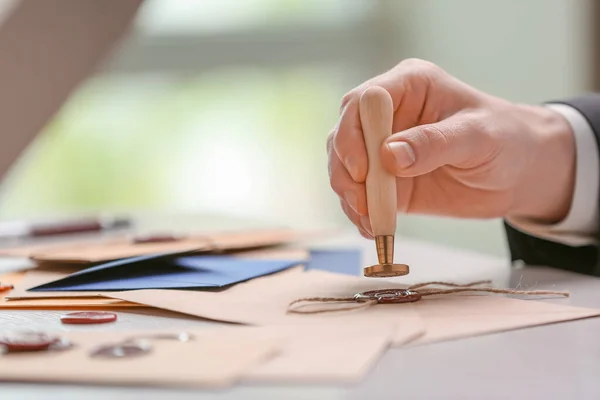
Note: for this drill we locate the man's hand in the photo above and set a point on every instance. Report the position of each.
(456, 151)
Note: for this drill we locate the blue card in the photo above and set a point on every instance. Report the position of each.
(340, 261)
(168, 271)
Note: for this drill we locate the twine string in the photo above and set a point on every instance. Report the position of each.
(299, 306)
(296, 307)
(449, 284)
(430, 292)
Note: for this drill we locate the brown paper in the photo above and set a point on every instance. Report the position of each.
(122, 247)
(216, 358)
(264, 301)
(51, 272)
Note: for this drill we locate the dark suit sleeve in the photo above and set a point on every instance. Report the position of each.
(536, 251)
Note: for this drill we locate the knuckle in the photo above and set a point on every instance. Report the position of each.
(337, 147)
(481, 124)
(438, 139)
(419, 64)
(435, 133)
(348, 98)
(417, 69)
(412, 61)
(329, 143)
(335, 182)
(482, 127)
(476, 122)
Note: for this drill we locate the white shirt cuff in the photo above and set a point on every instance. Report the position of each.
(581, 223)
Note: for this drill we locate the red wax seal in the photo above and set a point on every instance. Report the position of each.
(88, 317)
(156, 238)
(26, 341)
(6, 288)
(384, 296)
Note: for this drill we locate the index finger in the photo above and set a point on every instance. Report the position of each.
(348, 141)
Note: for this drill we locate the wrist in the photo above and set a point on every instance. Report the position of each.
(545, 192)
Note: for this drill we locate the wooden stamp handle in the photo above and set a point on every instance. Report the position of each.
(376, 116)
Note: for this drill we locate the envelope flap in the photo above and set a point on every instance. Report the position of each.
(167, 272)
(148, 264)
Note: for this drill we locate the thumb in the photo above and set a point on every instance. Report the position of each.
(422, 149)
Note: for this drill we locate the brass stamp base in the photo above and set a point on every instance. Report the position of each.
(386, 270)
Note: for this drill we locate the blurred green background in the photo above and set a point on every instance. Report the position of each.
(224, 106)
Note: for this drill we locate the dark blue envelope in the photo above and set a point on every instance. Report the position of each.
(167, 271)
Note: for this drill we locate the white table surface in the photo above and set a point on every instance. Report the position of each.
(560, 361)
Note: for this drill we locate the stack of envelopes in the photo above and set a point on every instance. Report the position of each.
(249, 279)
(76, 272)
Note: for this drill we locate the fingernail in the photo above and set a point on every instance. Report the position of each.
(366, 223)
(352, 200)
(352, 167)
(403, 153)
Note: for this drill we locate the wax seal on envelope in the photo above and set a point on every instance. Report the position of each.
(26, 341)
(389, 296)
(157, 238)
(88, 317)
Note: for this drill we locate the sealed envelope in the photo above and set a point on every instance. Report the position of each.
(265, 301)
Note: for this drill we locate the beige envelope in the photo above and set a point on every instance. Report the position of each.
(122, 247)
(264, 301)
(453, 317)
(328, 353)
(216, 358)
